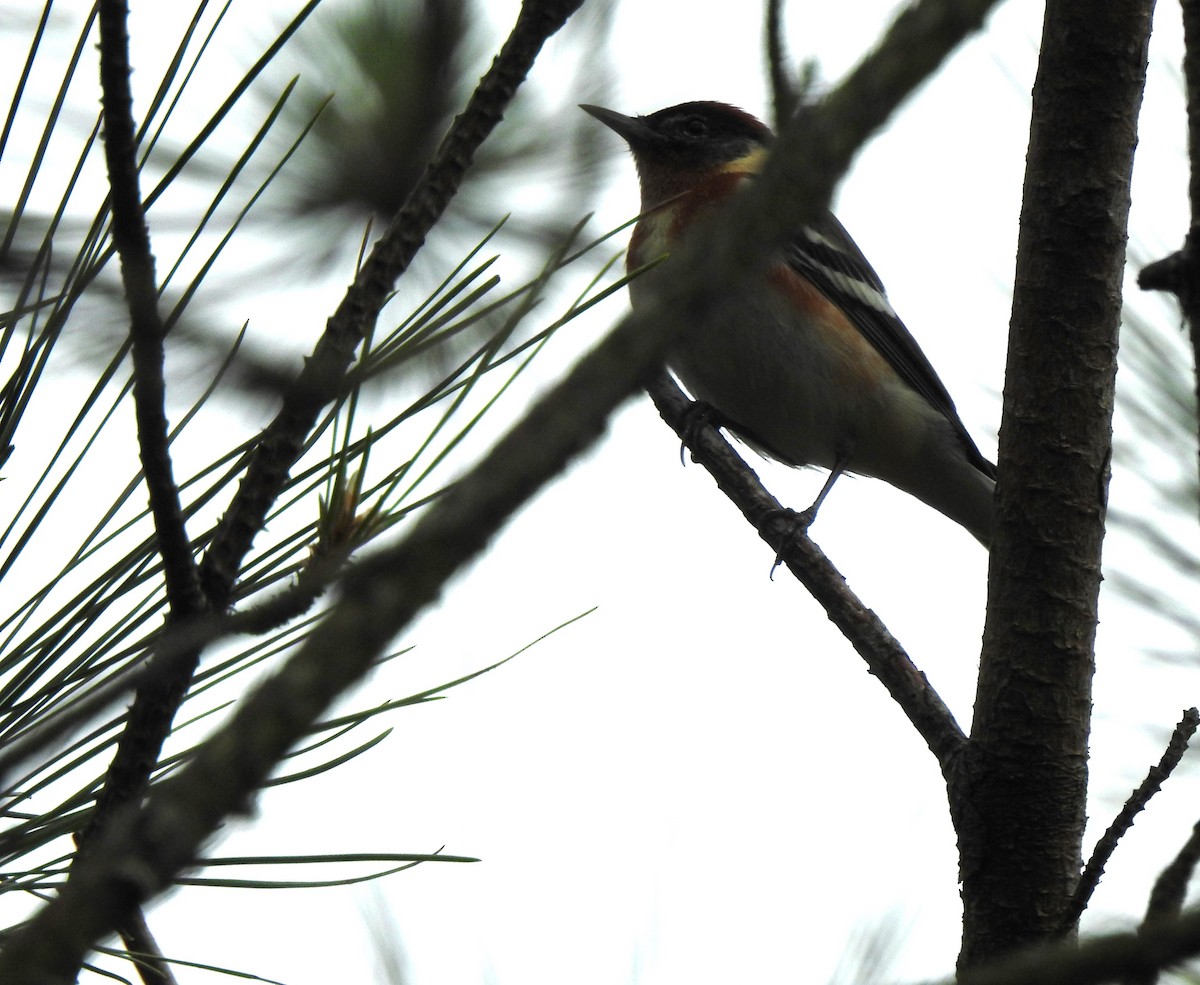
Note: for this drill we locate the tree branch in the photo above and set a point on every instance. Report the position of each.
(1110, 958)
(324, 371)
(152, 965)
(1124, 820)
(884, 656)
(1180, 272)
(158, 699)
(1170, 889)
(143, 849)
(784, 97)
(150, 718)
(132, 240)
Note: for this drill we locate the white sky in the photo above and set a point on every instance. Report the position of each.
(699, 782)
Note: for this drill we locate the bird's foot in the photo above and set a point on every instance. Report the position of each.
(796, 526)
(698, 416)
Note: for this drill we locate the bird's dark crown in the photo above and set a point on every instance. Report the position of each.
(699, 134)
(679, 147)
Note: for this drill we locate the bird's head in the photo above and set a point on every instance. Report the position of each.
(678, 147)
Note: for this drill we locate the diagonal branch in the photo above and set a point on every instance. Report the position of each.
(152, 965)
(1166, 899)
(1124, 820)
(884, 656)
(322, 378)
(143, 849)
(158, 699)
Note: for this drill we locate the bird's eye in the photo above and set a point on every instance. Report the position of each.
(695, 126)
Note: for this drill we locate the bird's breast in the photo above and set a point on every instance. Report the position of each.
(790, 371)
(801, 382)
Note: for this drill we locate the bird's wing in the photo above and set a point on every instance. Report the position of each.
(825, 254)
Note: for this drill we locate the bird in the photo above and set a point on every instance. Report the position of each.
(815, 368)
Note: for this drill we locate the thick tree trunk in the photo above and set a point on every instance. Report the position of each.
(1018, 795)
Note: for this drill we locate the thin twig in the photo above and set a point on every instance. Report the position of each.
(1166, 898)
(884, 656)
(784, 94)
(1124, 820)
(152, 965)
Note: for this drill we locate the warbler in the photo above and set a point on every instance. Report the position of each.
(817, 368)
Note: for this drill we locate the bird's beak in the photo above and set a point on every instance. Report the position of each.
(632, 129)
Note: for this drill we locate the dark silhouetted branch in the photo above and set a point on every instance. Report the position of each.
(1124, 820)
(1110, 958)
(784, 94)
(322, 378)
(884, 656)
(1180, 272)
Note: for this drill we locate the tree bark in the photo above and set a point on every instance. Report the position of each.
(1018, 798)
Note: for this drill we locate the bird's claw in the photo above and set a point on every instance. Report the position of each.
(797, 527)
(696, 417)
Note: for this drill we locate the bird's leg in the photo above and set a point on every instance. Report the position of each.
(804, 520)
(800, 522)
